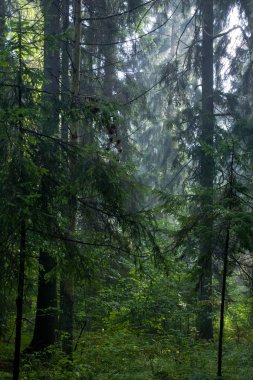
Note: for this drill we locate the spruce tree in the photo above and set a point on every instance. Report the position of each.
(206, 174)
(46, 321)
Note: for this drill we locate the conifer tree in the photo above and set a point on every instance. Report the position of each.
(46, 321)
(206, 173)
(68, 279)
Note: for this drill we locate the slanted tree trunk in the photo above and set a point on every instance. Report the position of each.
(206, 175)
(46, 321)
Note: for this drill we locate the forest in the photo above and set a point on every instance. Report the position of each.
(126, 211)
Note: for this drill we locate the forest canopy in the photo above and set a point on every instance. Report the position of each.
(126, 137)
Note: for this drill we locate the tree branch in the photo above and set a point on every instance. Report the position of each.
(118, 14)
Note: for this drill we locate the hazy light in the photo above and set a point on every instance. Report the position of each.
(234, 20)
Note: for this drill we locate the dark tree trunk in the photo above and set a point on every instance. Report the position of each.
(22, 246)
(65, 90)
(65, 52)
(51, 87)
(46, 314)
(251, 296)
(229, 201)
(67, 285)
(2, 21)
(67, 320)
(247, 6)
(2, 42)
(46, 321)
(19, 301)
(206, 176)
(223, 294)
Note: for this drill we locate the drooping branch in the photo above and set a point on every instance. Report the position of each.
(120, 13)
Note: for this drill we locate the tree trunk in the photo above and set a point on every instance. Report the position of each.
(22, 246)
(65, 93)
(68, 280)
(2, 42)
(229, 201)
(65, 68)
(247, 5)
(19, 301)
(67, 320)
(223, 294)
(2, 22)
(206, 175)
(110, 57)
(46, 311)
(46, 321)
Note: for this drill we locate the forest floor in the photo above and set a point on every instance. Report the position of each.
(125, 356)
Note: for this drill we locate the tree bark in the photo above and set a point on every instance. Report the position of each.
(228, 199)
(46, 311)
(2, 42)
(2, 22)
(22, 246)
(65, 67)
(206, 175)
(65, 93)
(68, 280)
(110, 57)
(19, 301)
(223, 294)
(46, 321)
(247, 6)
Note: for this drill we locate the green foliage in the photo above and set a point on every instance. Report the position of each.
(136, 266)
(125, 356)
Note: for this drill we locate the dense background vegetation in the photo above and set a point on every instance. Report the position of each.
(126, 189)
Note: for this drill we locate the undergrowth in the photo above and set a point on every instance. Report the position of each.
(125, 356)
